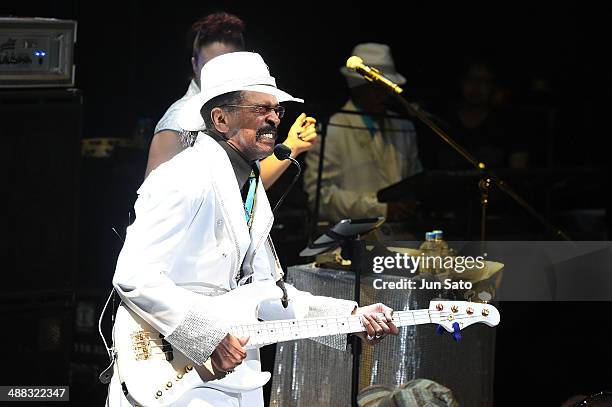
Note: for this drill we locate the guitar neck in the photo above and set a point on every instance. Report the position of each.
(266, 333)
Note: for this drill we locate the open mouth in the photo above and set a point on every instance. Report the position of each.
(266, 136)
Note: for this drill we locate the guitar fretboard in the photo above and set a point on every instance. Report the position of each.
(265, 333)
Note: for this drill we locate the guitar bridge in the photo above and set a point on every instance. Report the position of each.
(141, 343)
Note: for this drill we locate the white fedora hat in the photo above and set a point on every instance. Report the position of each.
(376, 56)
(226, 73)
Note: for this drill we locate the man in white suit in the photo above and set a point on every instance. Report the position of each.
(202, 226)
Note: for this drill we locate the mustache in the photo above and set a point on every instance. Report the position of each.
(264, 130)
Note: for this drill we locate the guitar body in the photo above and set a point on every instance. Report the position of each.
(153, 373)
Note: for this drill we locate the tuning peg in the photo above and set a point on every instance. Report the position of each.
(440, 329)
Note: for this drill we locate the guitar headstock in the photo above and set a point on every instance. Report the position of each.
(461, 314)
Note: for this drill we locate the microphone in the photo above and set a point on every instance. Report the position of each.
(371, 74)
(282, 152)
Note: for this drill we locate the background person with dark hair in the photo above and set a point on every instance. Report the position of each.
(217, 34)
(476, 119)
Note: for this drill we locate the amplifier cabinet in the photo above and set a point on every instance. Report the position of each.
(36, 52)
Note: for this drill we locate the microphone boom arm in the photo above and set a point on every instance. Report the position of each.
(295, 178)
(373, 75)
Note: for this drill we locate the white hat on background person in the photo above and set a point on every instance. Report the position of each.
(377, 56)
(226, 73)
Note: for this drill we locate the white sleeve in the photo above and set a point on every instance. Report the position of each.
(302, 304)
(320, 306)
(335, 202)
(163, 215)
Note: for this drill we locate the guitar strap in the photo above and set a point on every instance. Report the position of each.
(249, 204)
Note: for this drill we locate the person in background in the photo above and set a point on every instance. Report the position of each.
(477, 121)
(366, 151)
(213, 35)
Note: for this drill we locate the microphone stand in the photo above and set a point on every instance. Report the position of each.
(488, 177)
(283, 152)
(315, 215)
(295, 178)
(356, 248)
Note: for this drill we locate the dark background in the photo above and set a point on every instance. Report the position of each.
(132, 62)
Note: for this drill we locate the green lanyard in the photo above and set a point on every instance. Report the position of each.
(369, 123)
(249, 203)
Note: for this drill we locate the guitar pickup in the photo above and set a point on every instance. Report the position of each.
(166, 348)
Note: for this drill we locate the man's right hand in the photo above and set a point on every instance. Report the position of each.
(229, 353)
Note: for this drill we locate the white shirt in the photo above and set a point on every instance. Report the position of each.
(169, 120)
(357, 164)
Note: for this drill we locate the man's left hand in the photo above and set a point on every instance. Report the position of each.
(377, 327)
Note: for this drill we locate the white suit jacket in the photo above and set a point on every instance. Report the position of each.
(190, 237)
